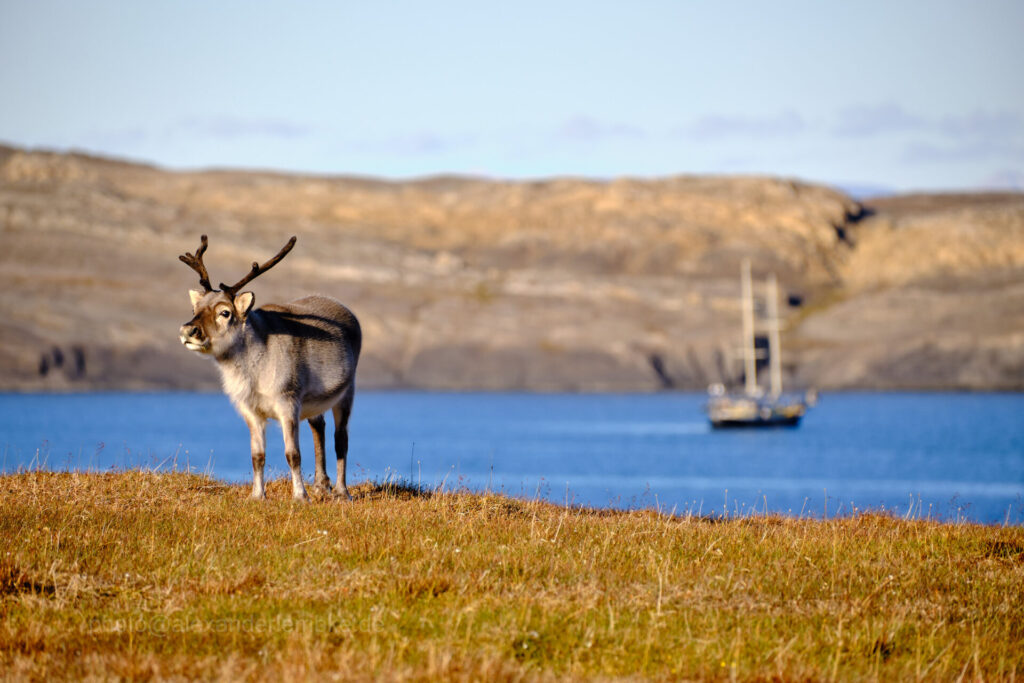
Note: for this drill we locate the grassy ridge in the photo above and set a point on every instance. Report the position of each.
(139, 575)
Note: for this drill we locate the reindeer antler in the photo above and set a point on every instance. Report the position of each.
(257, 269)
(195, 262)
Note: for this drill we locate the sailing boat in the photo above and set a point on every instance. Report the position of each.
(753, 407)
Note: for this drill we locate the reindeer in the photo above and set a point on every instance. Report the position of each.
(289, 362)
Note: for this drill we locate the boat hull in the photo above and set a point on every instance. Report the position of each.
(730, 412)
(755, 422)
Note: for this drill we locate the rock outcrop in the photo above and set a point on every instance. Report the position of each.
(464, 283)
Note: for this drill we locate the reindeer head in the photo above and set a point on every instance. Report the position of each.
(219, 315)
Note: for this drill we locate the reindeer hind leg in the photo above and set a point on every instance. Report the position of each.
(317, 425)
(342, 411)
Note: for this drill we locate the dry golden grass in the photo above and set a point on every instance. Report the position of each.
(140, 575)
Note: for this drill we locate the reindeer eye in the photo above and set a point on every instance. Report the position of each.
(225, 314)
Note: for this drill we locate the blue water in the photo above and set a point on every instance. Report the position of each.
(947, 456)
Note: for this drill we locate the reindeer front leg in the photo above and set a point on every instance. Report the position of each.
(258, 448)
(290, 427)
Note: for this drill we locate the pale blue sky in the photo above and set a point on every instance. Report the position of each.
(906, 95)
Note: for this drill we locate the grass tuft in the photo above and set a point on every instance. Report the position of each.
(138, 575)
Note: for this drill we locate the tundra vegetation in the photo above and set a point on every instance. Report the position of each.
(138, 575)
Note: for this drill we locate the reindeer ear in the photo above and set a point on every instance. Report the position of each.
(243, 303)
(195, 296)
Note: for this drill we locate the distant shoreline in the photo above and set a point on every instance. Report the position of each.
(561, 284)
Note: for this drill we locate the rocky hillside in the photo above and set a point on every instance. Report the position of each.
(464, 283)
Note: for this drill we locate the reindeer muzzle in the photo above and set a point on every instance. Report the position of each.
(192, 337)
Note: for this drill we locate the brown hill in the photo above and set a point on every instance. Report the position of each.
(562, 284)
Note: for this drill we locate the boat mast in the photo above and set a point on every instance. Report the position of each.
(774, 347)
(749, 360)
